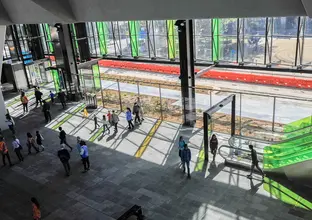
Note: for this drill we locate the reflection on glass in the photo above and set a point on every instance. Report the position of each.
(161, 44)
(202, 37)
(284, 40)
(307, 55)
(254, 40)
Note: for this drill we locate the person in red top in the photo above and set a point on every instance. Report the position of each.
(4, 151)
(36, 208)
(109, 117)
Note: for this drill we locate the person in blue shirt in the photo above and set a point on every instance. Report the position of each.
(181, 146)
(52, 95)
(186, 158)
(129, 119)
(84, 153)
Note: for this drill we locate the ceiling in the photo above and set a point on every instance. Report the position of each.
(70, 11)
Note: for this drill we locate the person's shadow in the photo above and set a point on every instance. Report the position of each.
(111, 137)
(254, 188)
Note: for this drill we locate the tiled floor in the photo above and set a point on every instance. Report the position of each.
(117, 179)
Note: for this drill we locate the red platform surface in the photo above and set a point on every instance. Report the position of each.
(236, 76)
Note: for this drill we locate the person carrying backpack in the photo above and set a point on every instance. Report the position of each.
(64, 157)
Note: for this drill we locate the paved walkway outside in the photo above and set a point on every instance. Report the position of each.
(118, 179)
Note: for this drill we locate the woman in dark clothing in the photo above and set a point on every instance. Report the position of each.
(214, 146)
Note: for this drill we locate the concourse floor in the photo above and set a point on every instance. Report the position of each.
(129, 167)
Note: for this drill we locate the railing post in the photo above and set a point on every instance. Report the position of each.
(161, 110)
(120, 104)
(240, 113)
(210, 97)
(273, 119)
(101, 90)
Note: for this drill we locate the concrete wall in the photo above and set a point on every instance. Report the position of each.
(2, 105)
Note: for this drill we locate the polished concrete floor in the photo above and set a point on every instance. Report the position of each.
(120, 177)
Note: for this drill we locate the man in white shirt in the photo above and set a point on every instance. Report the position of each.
(17, 147)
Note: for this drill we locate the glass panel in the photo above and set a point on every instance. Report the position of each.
(284, 40)
(254, 40)
(124, 38)
(257, 116)
(307, 55)
(291, 115)
(171, 102)
(202, 38)
(150, 99)
(129, 93)
(202, 104)
(110, 93)
(143, 39)
(228, 39)
(161, 44)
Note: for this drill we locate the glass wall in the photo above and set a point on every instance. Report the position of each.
(252, 41)
(281, 42)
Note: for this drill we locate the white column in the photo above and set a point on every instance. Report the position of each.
(3, 125)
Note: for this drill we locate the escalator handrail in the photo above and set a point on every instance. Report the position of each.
(289, 132)
(234, 148)
(266, 142)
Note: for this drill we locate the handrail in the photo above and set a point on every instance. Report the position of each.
(234, 148)
(264, 141)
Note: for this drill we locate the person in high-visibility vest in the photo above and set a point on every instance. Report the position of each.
(85, 113)
(4, 151)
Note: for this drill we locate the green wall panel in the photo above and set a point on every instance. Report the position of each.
(56, 80)
(216, 39)
(171, 39)
(96, 76)
(102, 34)
(134, 41)
(48, 33)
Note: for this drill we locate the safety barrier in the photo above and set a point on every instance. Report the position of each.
(263, 79)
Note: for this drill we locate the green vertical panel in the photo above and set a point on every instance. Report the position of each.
(96, 76)
(56, 80)
(48, 33)
(134, 33)
(102, 34)
(216, 39)
(75, 39)
(171, 39)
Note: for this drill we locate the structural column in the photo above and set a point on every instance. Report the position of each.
(3, 125)
(187, 74)
(80, 31)
(65, 59)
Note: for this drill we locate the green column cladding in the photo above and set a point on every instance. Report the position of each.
(171, 39)
(96, 76)
(102, 35)
(75, 38)
(134, 40)
(56, 80)
(216, 39)
(48, 33)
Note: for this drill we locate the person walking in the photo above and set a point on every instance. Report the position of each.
(110, 118)
(62, 137)
(214, 146)
(31, 143)
(17, 147)
(96, 124)
(186, 158)
(136, 112)
(105, 125)
(38, 96)
(39, 140)
(115, 120)
(35, 208)
(141, 109)
(52, 96)
(46, 111)
(129, 119)
(10, 122)
(64, 157)
(254, 162)
(5, 152)
(24, 101)
(181, 147)
(62, 97)
(85, 156)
